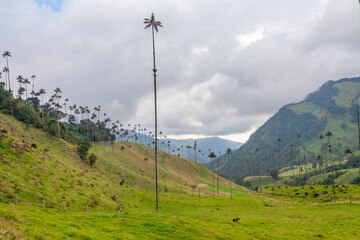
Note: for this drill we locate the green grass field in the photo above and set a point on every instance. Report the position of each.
(124, 179)
(185, 217)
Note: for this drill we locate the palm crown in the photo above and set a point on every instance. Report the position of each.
(152, 23)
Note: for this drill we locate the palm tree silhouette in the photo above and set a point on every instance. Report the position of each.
(212, 156)
(33, 85)
(329, 134)
(5, 70)
(228, 153)
(42, 92)
(26, 82)
(20, 80)
(279, 141)
(6, 55)
(321, 162)
(292, 162)
(218, 172)
(298, 137)
(257, 160)
(154, 26)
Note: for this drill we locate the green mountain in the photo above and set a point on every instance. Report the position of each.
(331, 108)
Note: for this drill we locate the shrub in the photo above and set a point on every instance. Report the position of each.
(315, 194)
(356, 181)
(122, 182)
(83, 149)
(92, 159)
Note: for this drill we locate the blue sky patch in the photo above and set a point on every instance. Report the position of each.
(55, 5)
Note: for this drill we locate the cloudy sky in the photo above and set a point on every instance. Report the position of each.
(224, 66)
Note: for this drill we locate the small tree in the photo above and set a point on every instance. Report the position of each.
(83, 149)
(92, 159)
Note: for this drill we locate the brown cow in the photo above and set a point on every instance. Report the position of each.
(236, 219)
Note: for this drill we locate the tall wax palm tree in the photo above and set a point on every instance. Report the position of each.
(154, 26)
(26, 82)
(5, 70)
(358, 120)
(228, 153)
(279, 141)
(321, 162)
(6, 55)
(58, 106)
(195, 145)
(298, 137)
(292, 162)
(42, 92)
(218, 171)
(257, 160)
(33, 85)
(212, 156)
(65, 104)
(329, 134)
(20, 80)
(347, 152)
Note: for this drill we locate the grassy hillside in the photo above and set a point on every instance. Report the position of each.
(34, 165)
(261, 216)
(254, 181)
(331, 108)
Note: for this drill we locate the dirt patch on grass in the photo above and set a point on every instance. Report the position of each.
(274, 202)
(202, 185)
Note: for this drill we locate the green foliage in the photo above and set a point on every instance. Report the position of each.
(92, 159)
(331, 108)
(83, 148)
(356, 181)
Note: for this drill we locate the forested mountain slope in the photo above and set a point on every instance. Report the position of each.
(331, 108)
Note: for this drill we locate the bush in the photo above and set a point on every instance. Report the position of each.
(92, 159)
(315, 194)
(356, 181)
(83, 149)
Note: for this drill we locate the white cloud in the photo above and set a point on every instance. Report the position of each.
(247, 39)
(99, 54)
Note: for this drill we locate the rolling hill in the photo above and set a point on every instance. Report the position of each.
(35, 166)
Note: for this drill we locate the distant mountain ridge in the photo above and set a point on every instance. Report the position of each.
(331, 108)
(180, 146)
(215, 144)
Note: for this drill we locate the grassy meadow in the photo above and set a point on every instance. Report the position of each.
(48, 192)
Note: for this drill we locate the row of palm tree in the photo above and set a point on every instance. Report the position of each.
(301, 160)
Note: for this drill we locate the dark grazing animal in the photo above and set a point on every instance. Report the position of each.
(236, 219)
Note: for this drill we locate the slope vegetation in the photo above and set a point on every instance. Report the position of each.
(331, 108)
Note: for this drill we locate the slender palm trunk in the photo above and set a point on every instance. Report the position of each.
(156, 170)
(299, 158)
(257, 159)
(323, 169)
(42, 108)
(8, 72)
(332, 171)
(230, 179)
(280, 163)
(11, 106)
(358, 122)
(26, 96)
(218, 173)
(212, 170)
